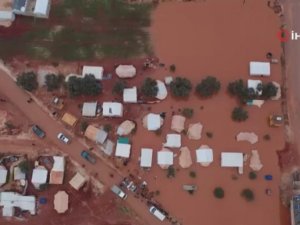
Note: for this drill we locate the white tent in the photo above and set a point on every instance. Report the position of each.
(125, 71)
(130, 95)
(112, 109)
(97, 71)
(18, 174)
(89, 109)
(153, 121)
(204, 155)
(165, 158)
(232, 159)
(173, 141)
(254, 84)
(260, 69)
(146, 157)
(3, 175)
(58, 169)
(42, 8)
(7, 16)
(77, 181)
(123, 150)
(9, 200)
(162, 90)
(39, 176)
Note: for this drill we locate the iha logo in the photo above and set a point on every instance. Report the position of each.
(285, 35)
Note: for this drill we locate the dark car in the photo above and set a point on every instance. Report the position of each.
(38, 131)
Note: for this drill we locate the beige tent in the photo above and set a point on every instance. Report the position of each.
(185, 159)
(69, 119)
(61, 201)
(251, 137)
(125, 71)
(126, 128)
(178, 123)
(194, 131)
(255, 163)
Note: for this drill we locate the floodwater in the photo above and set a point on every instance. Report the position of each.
(216, 38)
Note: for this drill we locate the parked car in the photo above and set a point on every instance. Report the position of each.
(63, 138)
(115, 189)
(87, 156)
(129, 184)
(38, 131)
(157, 213)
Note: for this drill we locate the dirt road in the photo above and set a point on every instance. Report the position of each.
(19, 98)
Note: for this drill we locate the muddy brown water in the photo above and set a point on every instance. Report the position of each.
(216, 38)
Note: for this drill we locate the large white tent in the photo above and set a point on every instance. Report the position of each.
(152, 121)
(123, 150)
(97, 71)
(146, 157)
(204, 155)
(260, 69)
(89, 109)
(130, 95)
(112, 109)
(39, 176)
(232, 159)
(173, 141)
(165, 158)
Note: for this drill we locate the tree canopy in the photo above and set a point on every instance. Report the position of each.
(181, 87)
(269, 90)
(149, 87)
(53, 81)
(84, 86)
(239, 114)
(118, 87)
(28, 81)
(208, 87)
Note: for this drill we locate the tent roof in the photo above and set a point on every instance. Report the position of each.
(130, 95)
(146, 157)
(162, 90)
(41, 7)
(165, 158)
(204, 155)
(69, 119)
(39, 175)
(77, 181)
(108, 147)
(123, 150)
(95, 134)
(177, 123)
(97, 71)
(260, 69)
(153, 121)
(18, 174)
(112, 109)
(11, 199)
(232, 159)
(89, 109)
(3, 175)
(173, 141)
(61, 201)
(126, 71)
(59, 163)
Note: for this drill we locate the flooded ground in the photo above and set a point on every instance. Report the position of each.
(216, 38)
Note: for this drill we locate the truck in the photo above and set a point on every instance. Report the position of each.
(87, 156)
(121, 194)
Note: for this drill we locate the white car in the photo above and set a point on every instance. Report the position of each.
(63, 138)
(157, 213)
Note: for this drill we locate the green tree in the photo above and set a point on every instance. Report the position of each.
(74, 86)
(91, 86)
(192, 174)
(53, 81)
(208, 87)
(172, 68)
(171, 172)
(83, 125)
(248, 194)
(149, 87)
(219, 192)
(269, 90)
(252, 175)
(181, 87)
(25, 166)
(238, 89)
(239, 114)
(187, 112)
(28, 81)
(118, 87)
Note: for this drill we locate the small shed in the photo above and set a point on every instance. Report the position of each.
(3, 175)
(130, 95)
(95, 134)
(173, 141)
(146, 157)
(112, 109)
(89, 109)
(232, 159)
(165, 158)
(77, 181)
(204, 155)
(123, 150)
(125, 71)
(39, 176)
(61, 201)
(260, 69)
(58, 170)
(97, 71)
(69, 119)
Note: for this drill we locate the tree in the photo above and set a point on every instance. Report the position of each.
(248, 194)
(83, 125)
(24, 166)
(27, 81)
(171, 172)
(74, 86)
(90, 86)
(269, 90)
(238, 88)
(172, 68)
(239, 114)
(219, 192)
(192, 174)
(149, 87)
(252, 175)
(119, 87)
(53, 81)
(187, 112)
(208, 87)
(181, 87)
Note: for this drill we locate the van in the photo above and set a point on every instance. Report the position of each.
(115, 189)
(158, 214)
